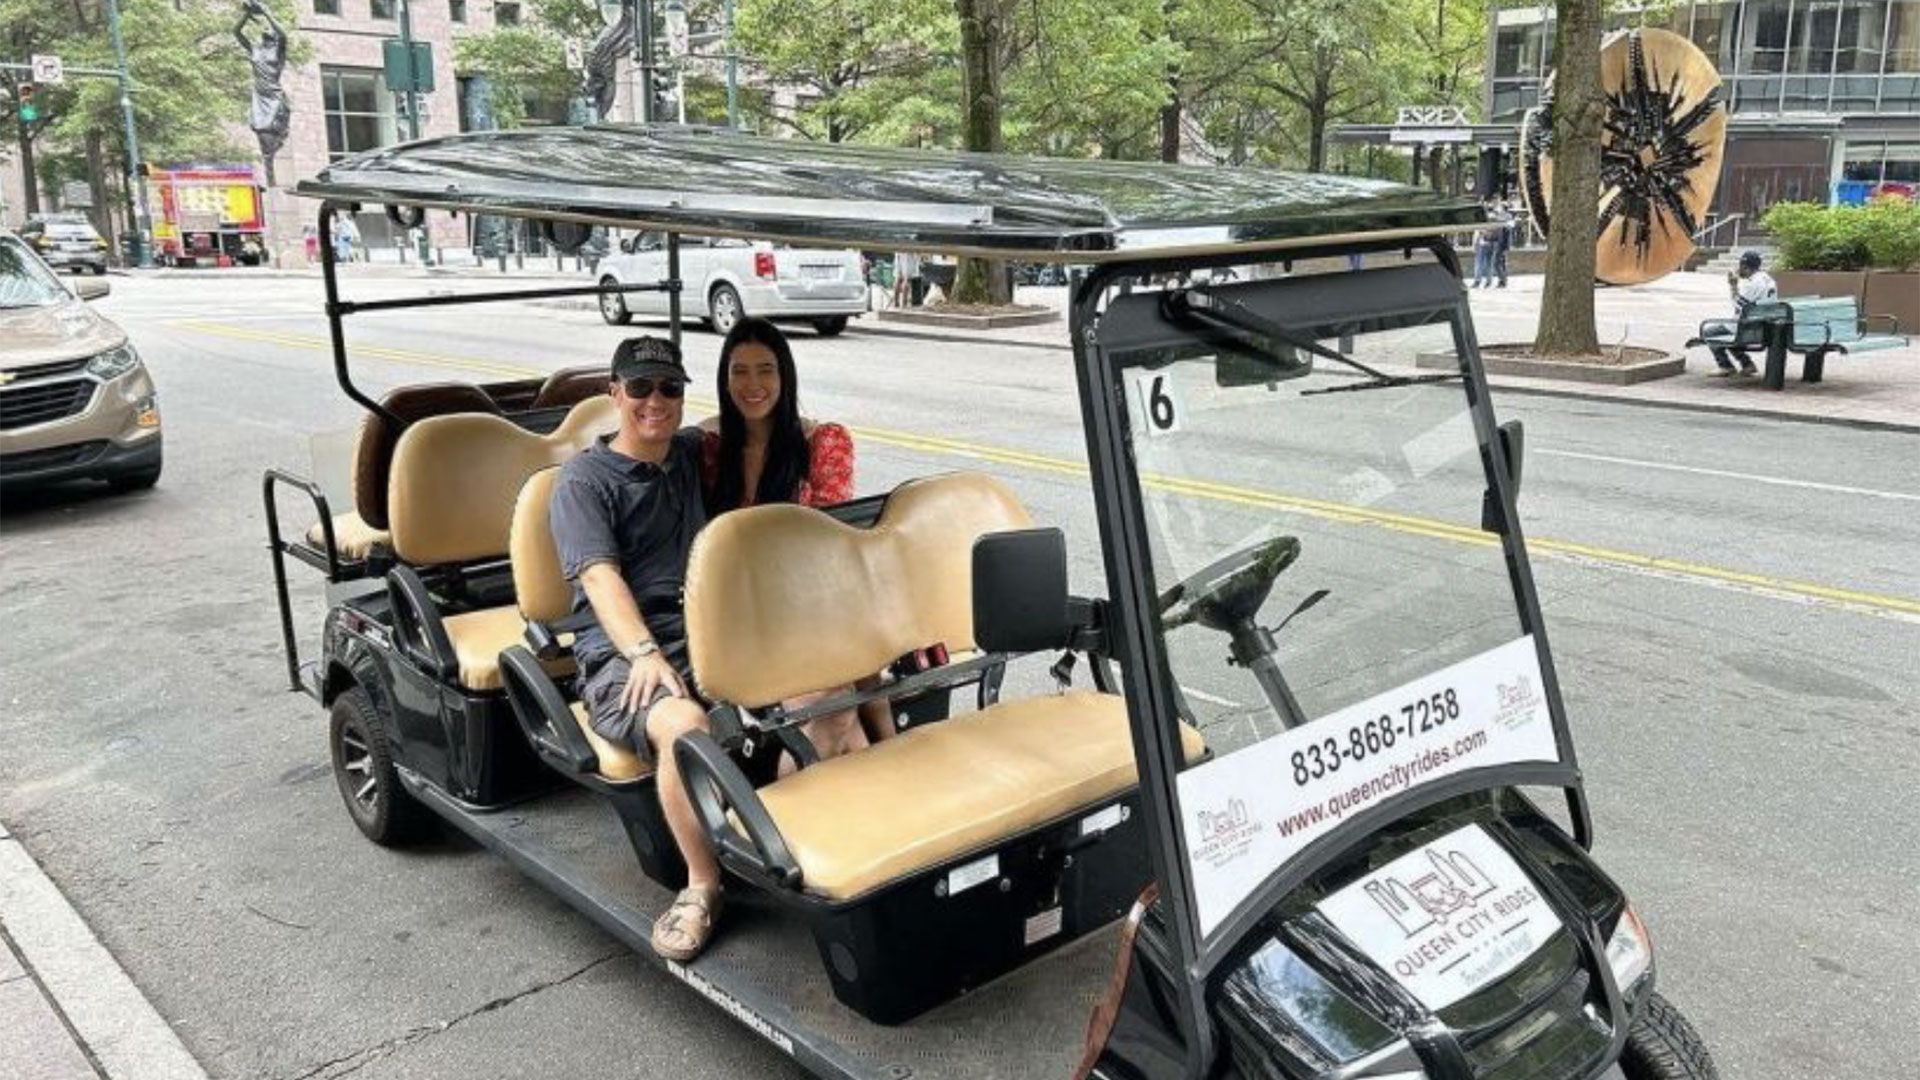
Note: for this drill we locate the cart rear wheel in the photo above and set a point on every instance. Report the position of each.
(1662, 1045)
(613, 306)
(363, 767)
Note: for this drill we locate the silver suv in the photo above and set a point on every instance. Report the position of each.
(66, 242)
(75, 400)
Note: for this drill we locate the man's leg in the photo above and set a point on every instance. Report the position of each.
(1721, 357)
(1746, 361)
(683, 931)
(1500, 264)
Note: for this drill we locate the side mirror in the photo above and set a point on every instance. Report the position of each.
(626, 246)
(1020, 591)
(91, 288)
(1512, 441)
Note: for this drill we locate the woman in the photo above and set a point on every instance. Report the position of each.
(760, 450)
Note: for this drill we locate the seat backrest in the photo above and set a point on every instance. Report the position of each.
(373, 446)
(783, 599)
(539, 583)
(455, 479)
(571, 386)
(1826, 318)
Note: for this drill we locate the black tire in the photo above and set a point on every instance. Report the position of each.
(613, 306)
(830, 327)
(136, 481)
(363, 769)
(723, 308)
(1662, 1045)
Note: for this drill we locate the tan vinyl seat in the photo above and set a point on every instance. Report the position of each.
(953, 788)
(456, 481)
(935, 793)
(540, 586)
(353, 539)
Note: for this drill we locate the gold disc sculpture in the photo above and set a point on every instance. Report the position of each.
(1660, 149)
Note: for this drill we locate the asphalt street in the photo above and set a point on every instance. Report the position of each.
(1733, 603)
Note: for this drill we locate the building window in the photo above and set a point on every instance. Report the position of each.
(326, 7)
(358, 108)
(506, 14)
(457, 10)
(1903, 39)
(380, 9)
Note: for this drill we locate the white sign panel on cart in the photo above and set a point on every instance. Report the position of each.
(1447, 919)
(1247, 813)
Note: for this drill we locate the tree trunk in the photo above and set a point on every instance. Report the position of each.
(979, 281)
(100, 213)
(1566, 303)
(1434, 157)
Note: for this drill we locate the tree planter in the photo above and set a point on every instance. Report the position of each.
(1890, 292)
(981, 318)
(1639, 365)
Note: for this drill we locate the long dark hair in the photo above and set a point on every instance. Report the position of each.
(789, 458)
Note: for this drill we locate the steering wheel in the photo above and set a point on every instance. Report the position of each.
(1230, 591)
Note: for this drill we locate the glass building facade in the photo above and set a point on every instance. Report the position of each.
(1823, 95)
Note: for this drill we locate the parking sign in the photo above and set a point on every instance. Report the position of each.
(48, 70)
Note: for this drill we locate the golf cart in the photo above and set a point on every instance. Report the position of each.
(1256, 810)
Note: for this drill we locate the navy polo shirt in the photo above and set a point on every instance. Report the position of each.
(608, 507)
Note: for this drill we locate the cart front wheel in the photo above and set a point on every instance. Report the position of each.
(363, 767)
(1662, 1045)
(613, 305)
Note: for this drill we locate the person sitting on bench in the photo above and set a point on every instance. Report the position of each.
(1749, 285)
(624, 515)
(761, 450)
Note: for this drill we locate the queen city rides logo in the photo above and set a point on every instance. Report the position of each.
(1518, 703)
(1226, 834)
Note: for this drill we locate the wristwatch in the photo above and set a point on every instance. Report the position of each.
(644, 648)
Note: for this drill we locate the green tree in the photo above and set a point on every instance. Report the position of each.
(529, 60)
(857, 65)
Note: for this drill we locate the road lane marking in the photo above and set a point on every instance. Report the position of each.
(1211, 699)
(1902, 608)
(1780, 481)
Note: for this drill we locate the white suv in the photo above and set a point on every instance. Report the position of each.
(725, 279)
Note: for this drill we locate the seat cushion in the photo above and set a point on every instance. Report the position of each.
(617, 763)
(353, 538)
(478, 639)
(935, 793)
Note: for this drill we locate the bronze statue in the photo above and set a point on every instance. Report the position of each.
(271, 115)
(615, 41)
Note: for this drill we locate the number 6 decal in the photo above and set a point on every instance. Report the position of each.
(1155, 404)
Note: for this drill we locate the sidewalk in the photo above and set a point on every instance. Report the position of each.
(1879, 389)
(67, 1010)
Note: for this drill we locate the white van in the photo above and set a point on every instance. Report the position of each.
(726, 279)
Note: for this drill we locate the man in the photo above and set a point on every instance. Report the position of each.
(1749, 285)
(909, 287)
(1502, 240)
(624, 515)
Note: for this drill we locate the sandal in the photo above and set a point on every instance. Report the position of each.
(682, 932)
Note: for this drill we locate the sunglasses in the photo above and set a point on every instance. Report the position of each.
(641, 388)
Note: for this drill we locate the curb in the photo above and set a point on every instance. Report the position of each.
(1720, 410)
(113, 1024)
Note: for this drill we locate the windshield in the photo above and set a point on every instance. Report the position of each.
(24, 280)
(1330, 608)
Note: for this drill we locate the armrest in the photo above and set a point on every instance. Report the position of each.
(544, 715)
(275, 477)
(1893, 323)
(417, 626)
(716, 786)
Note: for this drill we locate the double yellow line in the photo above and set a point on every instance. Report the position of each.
(1900, 607)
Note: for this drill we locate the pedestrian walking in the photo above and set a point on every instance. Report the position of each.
(310, 240)
(1502, 240)
(344, 234)
(909, 287)
(1482, 257)
(1749, 285)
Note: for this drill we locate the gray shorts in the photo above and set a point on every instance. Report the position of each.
(602, 688)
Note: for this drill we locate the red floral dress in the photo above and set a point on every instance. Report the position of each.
(829, 481)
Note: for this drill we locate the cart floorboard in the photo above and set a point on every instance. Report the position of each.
(763, 959)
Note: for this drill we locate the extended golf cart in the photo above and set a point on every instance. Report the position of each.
(1254, 811)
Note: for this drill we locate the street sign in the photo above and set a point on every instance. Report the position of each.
(576, 59)
(1429, 136)
(76, 195)
(402, 77)
(48, 70)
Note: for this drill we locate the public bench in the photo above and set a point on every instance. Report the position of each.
(1815, 327)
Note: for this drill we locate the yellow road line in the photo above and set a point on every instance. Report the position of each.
(1326, 510)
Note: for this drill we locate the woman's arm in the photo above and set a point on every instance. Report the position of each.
(830, 477)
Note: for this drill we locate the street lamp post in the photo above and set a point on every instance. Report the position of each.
(136, 174)
(413, 110)
(733, 74)
(643, 53)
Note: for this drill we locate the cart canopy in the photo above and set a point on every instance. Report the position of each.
(717, 182)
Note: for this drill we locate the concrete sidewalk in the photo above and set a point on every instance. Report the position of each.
(67, 1009)
(1878, 389)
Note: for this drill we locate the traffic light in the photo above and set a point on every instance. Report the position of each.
(23, 97)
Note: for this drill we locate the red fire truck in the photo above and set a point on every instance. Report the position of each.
(208, 215)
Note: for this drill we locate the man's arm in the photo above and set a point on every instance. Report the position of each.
(619, 618)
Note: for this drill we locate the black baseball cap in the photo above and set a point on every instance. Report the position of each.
(1750, 260)
(644, 357)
